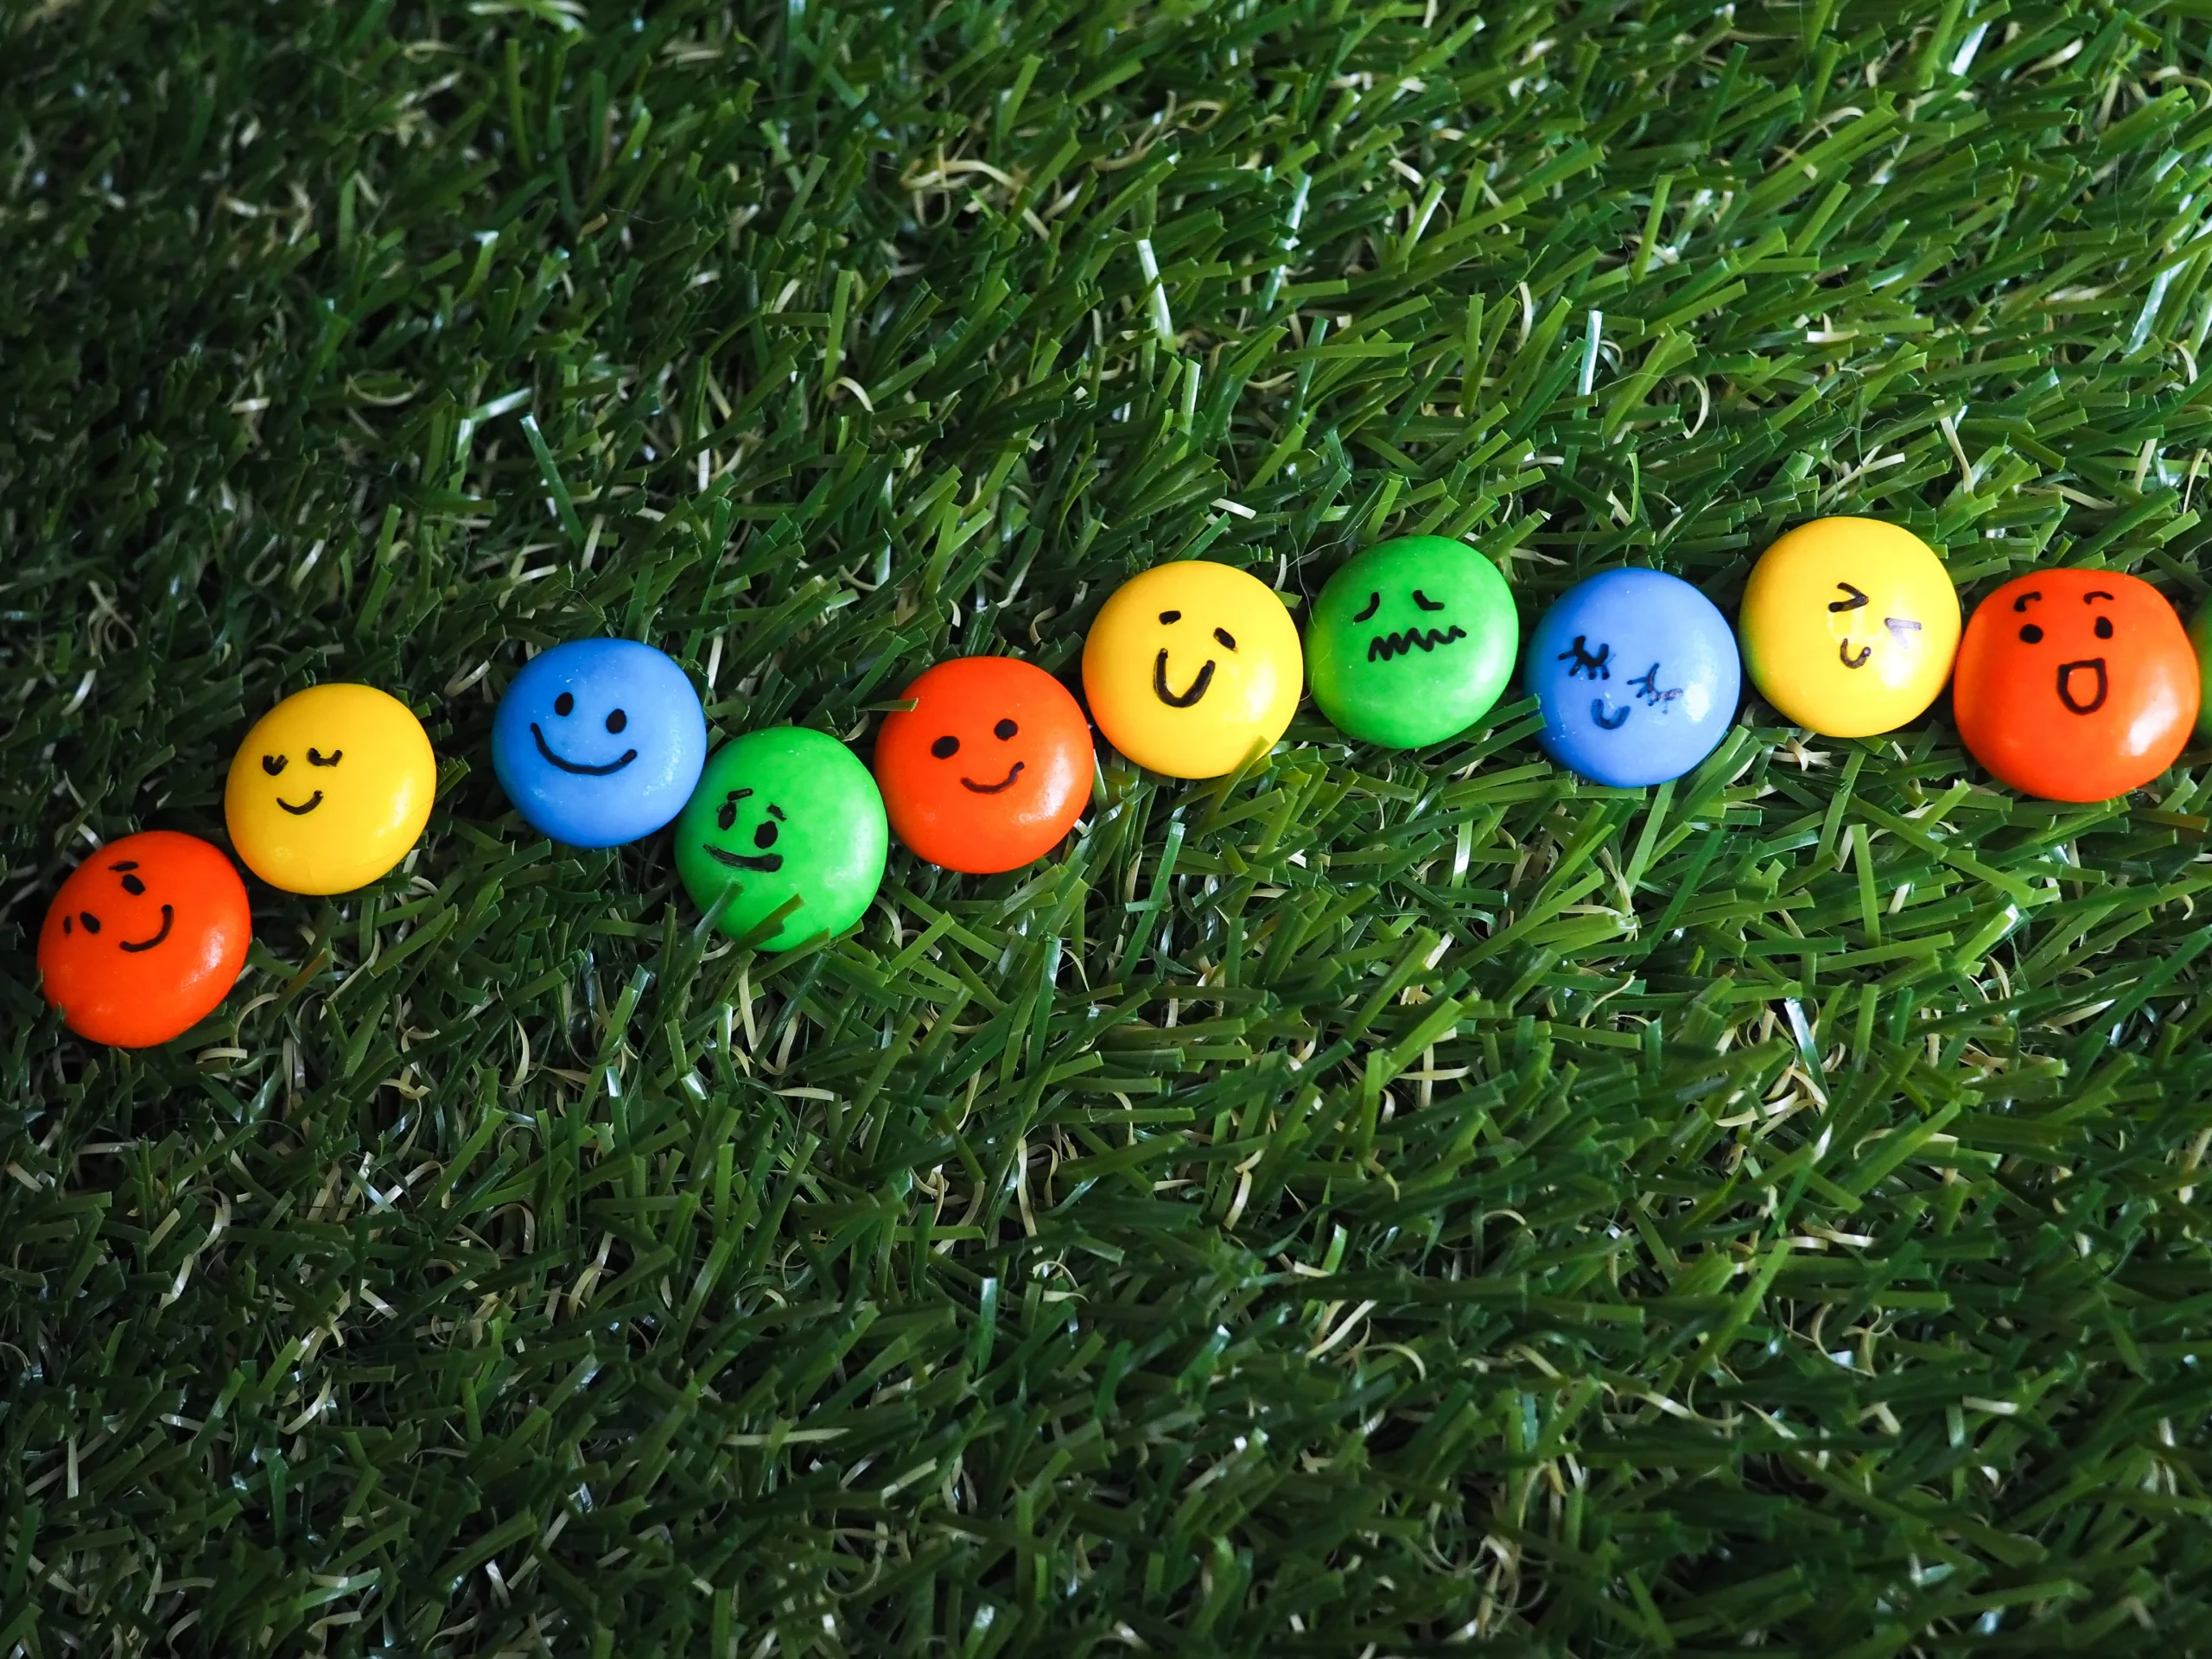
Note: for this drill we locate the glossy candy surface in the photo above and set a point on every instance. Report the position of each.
(989, 769)
(782, 814)
(599, 741)
(330, 789)
(1637, 676)
(1411, 642)
(1190, 666)
(2075, 685)
(144, 939)
(1849, 626)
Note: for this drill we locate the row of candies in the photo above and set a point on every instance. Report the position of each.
(2072, 684)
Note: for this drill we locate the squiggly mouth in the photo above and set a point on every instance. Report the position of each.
(1185, 699)
(628, 755)
(2093, 665)
(999, 787)
(310, 805)
(1387, 646)
(168, 918)
(768, 861)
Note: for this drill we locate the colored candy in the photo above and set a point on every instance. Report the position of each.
(1637, 675)
(1850, 627)
(330, 789)
(1411, 642)
(599, 741)
(780, 815)
(1192, 667)
(989, 769)
(144, 939)
(2075, 685)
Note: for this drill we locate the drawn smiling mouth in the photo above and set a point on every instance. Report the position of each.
(169, 915)
(2094, 665)
(1843, 651)
(999, 787)
(767, 862)
(1597, 714)
(304, 808)
(628, 755)
(1387, 646)
(1198, 687)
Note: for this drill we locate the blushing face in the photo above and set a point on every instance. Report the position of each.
(330, 789)
(144, 939)
(599, 742)
(1850, 627)
(1192, 666)
(2075, 685)
(989, 769)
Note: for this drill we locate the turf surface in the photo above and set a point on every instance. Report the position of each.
(1364, 1206)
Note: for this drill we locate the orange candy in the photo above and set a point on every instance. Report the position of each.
(990, 767)
(2075, 685)
(144, 939)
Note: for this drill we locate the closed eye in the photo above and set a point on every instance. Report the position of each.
(1374, 604)
(317, 758)
(273, 764)
(1425, 602)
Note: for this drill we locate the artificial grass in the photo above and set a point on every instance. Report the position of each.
(1378, 1203)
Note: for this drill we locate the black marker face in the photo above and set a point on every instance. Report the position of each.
(1191, 694)
(275, 764)
(1901, 628)
(765, 835)
(572, 732)
(126, 870)
(2084, 683)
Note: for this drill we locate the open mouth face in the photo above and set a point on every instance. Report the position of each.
(1192, 667)
(2082, 683)
(330, 789)
(144, 937)
(990, 766)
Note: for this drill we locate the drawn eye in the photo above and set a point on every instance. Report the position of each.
(91, 922)
(273, 764)
(1226, 637)
(316, 757)
(765, 836)
(1374, 604)
(945, 747)
(617, 720)
(1425, 602)
(564, 704)
(1171, 616)
(133, 885)
(68, 925)
(2104, 627)
(2032, 634)
(726, 814)
(1004, 729)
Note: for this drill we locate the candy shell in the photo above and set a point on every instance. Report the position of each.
(144, 939)
(782, 814)
(599, 742)
(989, 769)
(1411, 642)
(1637, 675)
(2075, 685)
(1849, 626)
(1193, 667)
(330, 789)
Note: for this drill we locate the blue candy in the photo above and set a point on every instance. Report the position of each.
(599, 741)
(1637, 676)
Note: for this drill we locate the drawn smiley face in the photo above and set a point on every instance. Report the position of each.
(2075, 685)
(1850, 627)
(989, 769)
(1637, 675)
(1190, 667)
(330, 789)
(1412, 642)
(599, 742)
(780, 816)
(144, 939)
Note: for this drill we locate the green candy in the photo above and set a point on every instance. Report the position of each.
(780, 814)
(1412, 642)
(2200, 635)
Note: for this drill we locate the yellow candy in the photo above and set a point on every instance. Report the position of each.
(1849, 626)
(330, 789)
(1190, 666)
